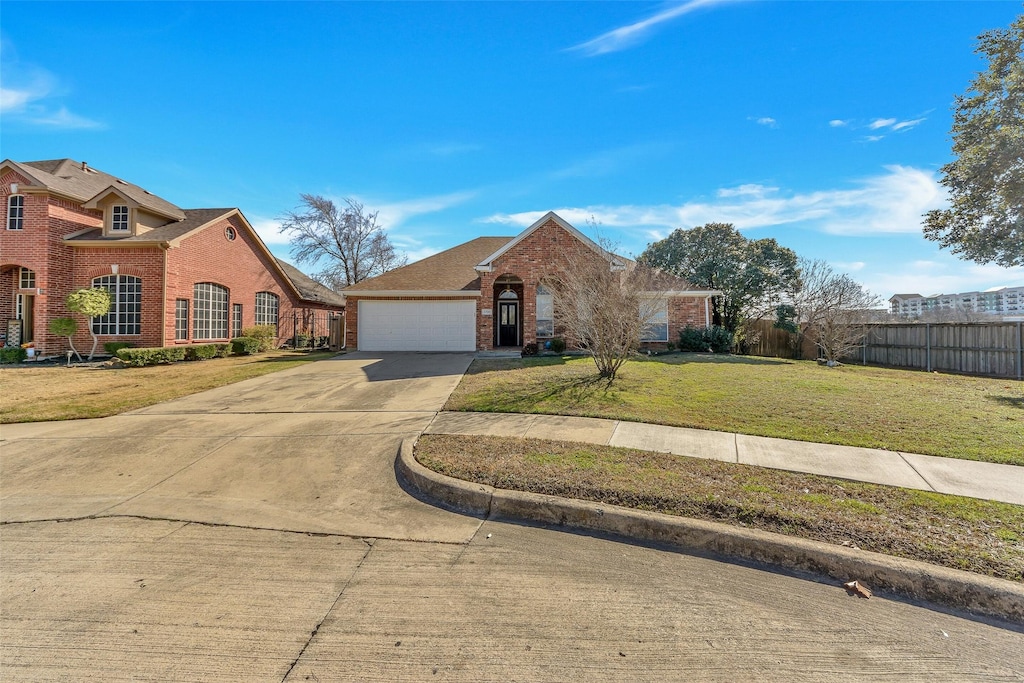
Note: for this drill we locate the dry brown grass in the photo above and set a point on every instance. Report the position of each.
(32, 393)
(964, 533)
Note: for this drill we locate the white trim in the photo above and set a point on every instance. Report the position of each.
(707, 312)
(369, 294)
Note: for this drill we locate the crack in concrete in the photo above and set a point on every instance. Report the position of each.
(334, 604)
(223, 525)
(917, 472)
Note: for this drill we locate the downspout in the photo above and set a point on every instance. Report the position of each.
(707, 312)
(164, 249)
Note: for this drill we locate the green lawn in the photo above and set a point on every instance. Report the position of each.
(947, 415)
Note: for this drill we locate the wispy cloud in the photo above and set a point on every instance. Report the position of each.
(907, 125)
(838, 123)
(32, 95)
(881, 123)
(393, 214)
(447, 149)
(633, 34)
(892, 202)
(765, 121)
(607, 161)
(269, 230)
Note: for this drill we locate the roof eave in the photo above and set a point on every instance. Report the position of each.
(378, 293)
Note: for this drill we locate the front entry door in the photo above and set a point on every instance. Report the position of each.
(508, 323)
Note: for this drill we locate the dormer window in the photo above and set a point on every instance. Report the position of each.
(119, 218)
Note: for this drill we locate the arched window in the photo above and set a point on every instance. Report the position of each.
(16, 212)
(545, 313)
(209, 311)
(125, 316)
(266, 308)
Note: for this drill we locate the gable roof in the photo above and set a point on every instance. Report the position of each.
(78, 181)
(192, 220)
(451, 270)
(617, 261)
(308, 288)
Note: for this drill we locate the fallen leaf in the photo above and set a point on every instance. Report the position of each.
(857, 588)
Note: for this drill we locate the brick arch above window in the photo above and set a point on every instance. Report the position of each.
(102, 271)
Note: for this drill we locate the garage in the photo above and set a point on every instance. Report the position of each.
(417, 325)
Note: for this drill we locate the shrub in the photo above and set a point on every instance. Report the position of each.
(113, 347)
(246, 346)
(670, 347)
(200, 351)
(266, 334)
(13, 354)
(529, 350)
(558, 345)
(716, 339)
(222, 350)
(138, 358)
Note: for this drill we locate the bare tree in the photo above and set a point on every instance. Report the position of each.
(603, 304)
(348, 243)
(831, 308)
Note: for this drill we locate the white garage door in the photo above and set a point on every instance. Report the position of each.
(417, 326)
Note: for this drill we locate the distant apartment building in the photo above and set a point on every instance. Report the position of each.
(1000, 301)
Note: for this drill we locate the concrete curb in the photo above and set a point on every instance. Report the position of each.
(913, 579)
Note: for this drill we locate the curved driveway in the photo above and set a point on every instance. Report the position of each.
(256, 532)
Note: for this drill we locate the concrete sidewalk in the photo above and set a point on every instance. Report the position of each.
(1004, 483)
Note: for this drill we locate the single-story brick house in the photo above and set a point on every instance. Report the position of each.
(177, 276)
(490, 293)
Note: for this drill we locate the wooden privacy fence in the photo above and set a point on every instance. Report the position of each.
(986, 349)
(989, 349)
(314, 329)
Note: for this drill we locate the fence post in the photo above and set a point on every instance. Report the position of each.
(928, 345)
(295, 329)
(1020, 352)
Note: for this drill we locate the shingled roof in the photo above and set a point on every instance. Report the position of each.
(81, 182)
(193, 218)
(308, 288)
(452, 270)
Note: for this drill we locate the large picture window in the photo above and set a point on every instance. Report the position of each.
(656, 329)
(209, 311)
(545, 312)
(16, 212)
(266, 309)
(125, 316)
(236, 320)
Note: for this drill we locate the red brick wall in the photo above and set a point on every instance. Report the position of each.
(40, 247)
(239, 264)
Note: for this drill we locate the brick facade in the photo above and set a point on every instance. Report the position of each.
(168, 271)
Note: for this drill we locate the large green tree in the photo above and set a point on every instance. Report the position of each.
(755, 276)
(985, 222)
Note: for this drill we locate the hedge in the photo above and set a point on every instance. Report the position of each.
(113, 347)
(246, 346)
(12, 354)
(138, 358)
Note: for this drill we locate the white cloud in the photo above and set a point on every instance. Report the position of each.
(892, 202)
(838, 123)
(269, 230)
(392, 215)
(881, 123)
(850, 266)
(907, 125)
(32, 95)
(632, 34)
(873, 138)
(767, 121)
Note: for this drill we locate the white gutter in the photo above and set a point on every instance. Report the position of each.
(419, 293)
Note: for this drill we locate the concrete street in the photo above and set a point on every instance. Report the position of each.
(256, 532)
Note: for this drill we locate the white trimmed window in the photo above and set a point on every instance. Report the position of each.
(181, 318)
(119, 218)
(545, 312)
(266, 308)
(656, 329)
(209, 311)
(27, 279)
(236, 320)
(125, 316)
(16, 212)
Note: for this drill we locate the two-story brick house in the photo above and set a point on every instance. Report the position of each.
(495, 292)
(176, 276)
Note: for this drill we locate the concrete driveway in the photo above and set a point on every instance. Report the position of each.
(256, 533)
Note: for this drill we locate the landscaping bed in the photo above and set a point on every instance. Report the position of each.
(963, 533)
(972, 418)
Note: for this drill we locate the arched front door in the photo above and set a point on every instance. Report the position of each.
(508, 318)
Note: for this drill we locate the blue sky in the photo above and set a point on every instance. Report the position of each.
(821, 124)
